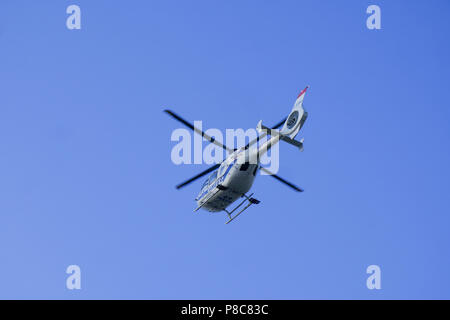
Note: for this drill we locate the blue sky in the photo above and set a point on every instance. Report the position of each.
(86, 176)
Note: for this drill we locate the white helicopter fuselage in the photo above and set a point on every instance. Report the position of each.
(236, 174)
(234, 178)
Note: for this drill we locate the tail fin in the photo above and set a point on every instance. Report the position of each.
(296, 118)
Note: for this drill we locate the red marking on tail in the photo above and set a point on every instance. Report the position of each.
(303, 92)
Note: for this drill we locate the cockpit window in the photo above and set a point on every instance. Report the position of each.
(209, 180)
(213, 176)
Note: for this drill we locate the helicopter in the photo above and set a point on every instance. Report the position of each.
(233, 177)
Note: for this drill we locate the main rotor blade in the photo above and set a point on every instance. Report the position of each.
(279, 124)
(293, 186)
(203, 134)
(201, 174)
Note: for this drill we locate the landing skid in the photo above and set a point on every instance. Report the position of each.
(248, 199)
